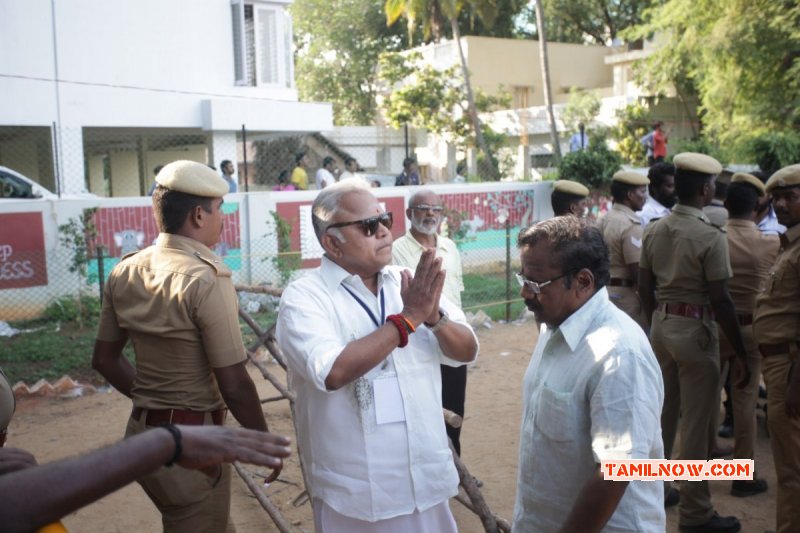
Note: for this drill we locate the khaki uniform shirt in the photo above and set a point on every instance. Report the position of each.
(622, 230)
(177, 302)
(777, 316)
(406, 252)
(752, 255)
(685, 251)
(716, 212)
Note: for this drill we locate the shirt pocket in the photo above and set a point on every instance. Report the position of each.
(555, 417)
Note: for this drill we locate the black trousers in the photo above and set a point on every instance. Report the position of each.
(454, 391)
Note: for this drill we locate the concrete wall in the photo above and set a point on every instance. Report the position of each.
(249, 244)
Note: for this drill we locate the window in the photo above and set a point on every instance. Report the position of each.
(262, 44)
(521, 96)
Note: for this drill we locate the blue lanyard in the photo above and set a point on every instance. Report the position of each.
(367, 309)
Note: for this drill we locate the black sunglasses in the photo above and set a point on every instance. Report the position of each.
(369, 225)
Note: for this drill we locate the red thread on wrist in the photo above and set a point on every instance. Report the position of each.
(400, 324)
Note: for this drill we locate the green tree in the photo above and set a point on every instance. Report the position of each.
(582, 107)
(741, 57)
(632, 125)
(338, 43)
(432, 14)
(436, 101)
(584, 21)
(593, 167)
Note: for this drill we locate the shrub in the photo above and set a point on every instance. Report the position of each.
(593, 167)
(700, 145)
(78, 309)
(773, 151)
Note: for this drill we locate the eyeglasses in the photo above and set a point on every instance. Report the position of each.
(535, 287)
(426, 207)
(369, 225)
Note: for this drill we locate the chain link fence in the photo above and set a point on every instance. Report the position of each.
(76, 200)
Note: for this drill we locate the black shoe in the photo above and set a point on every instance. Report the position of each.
(717, 524)
(741, 488)
(762, 392)
(672, 498)
(725, 431)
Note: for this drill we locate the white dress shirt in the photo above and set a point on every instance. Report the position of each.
(593, 391)
(652, 209)
(324, 178)
(769, 225)
(359, 467)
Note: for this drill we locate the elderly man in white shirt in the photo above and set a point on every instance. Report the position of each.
(363, 342)
(425, 211)
(661, 193)
(592, 392)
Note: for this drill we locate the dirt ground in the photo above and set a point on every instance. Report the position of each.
(56, 428)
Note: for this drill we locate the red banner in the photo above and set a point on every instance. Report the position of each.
(23, 260)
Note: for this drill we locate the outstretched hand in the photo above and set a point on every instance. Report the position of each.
(207, 446)
(421, 292)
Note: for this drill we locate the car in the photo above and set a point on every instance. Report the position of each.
(14, 185)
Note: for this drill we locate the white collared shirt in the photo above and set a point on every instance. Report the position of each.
(652, 209)
(593, 391)
(358, 467)
(324, 178)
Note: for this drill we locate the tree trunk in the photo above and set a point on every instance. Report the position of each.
(548, 100)
(472, 111)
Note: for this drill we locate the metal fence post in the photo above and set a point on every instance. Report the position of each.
(101, 275)
(508, 270)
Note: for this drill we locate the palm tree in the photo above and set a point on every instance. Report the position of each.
(432, 13)
(548, 98)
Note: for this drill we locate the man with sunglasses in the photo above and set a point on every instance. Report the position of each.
(363, 343)
(592, 391)
(425, 214)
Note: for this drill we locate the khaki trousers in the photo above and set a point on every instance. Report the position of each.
(627, 299)
(189, 500)
(784, 437)
(688, 352)
(744, 400)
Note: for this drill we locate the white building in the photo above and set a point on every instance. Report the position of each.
(97, 93)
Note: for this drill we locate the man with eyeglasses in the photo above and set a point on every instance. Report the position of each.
(425, 214)
(592, 391)
(363, 343)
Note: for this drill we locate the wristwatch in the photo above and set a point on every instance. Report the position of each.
(443, 320)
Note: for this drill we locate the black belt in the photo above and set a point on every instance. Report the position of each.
(161, 417)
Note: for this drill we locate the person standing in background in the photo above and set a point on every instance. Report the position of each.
(227, 175)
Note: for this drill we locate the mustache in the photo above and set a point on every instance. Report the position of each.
(533, 305)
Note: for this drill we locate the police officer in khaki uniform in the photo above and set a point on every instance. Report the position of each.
(752, 254)
(568, 198)
(683, 273)
(622, 231)
(176, 303)
(776, 327)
